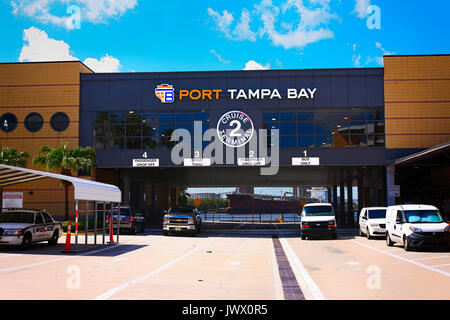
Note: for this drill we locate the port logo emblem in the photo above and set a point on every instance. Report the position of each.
(165, 93)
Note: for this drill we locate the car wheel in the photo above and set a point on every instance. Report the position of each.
(389, 242)
(361, 234)
(165, 233)
(406, 244)
(142, 228)
(368, 234)
(26, 242)
(54, 239)
(303, 236)
(133, 229)
(334, 236)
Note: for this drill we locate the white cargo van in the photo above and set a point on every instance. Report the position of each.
(416, 226)
(318, 219)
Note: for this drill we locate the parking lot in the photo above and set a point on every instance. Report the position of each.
(222, 264)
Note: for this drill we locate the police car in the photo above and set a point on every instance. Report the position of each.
(25, 226)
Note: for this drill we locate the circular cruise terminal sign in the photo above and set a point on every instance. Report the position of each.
(235, 129)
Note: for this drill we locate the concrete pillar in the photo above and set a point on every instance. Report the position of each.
(328, 194)
(335, 202)
(360, 192)
(390, 181)
(126, 189)
(342, 205)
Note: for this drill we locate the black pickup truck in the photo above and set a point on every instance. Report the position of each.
(182, 219)
(129, 220)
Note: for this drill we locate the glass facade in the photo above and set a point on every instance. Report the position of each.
(327, 128)
(298, 129)
(143, 130)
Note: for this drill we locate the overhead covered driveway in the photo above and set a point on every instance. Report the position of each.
(424, 177)
(84, 190)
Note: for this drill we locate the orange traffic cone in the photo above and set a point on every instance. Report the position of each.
(69, 228)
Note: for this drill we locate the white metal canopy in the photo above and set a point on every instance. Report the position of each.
(84, 189)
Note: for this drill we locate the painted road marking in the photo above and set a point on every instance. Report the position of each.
(429, 258)
(291, 288)
(402, 258)
(303, 277)
(127, 284)
(441, 265)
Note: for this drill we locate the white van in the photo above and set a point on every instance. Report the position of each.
(318, 219)
(372, 222)
(416, 226)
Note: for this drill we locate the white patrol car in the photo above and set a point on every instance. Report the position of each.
(25, 226)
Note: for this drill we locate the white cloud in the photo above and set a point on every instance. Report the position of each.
(242, 30)
(105, 64)
(39, 47)
(308, 26)
(379, 59)
(253, 65)
(94, 11)
(360, 9)
(356, 57)
(223, 21)
(218, 56)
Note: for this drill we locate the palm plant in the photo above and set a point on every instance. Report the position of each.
(12, 157)
(65, 160)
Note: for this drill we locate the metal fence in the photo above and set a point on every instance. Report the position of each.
(254, 218)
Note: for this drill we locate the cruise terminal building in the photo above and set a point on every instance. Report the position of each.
(384, 131)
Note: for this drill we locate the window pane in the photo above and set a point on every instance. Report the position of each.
(288, 141)
(288, 116)
(166, 129)
(358, 140)
(271, 116)
(150, 116)
(185, 116)
(133, 129)
(340, 139)
(59, 121)
(288, 128)
(116, 130)
(134, 143)
(324, 141)
(149, 130)
(305, 128)
(117, 117)
(134, 118)
(149, 143)
(305, 116)
(116, 143)
(100, 142)
(305, 141)
(166, 117)
(201, 116)
(34, 122)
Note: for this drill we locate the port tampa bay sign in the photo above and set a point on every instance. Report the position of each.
(166, 93)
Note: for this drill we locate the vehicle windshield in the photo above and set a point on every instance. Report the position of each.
(123, 211)
(315, 211)
(423, 216)
(18, 216)
(377, 214)
(181, 209)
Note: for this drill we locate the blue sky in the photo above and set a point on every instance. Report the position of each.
(179, 35)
